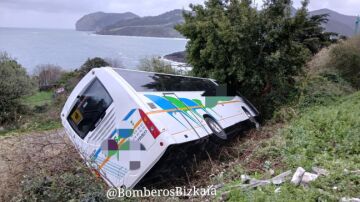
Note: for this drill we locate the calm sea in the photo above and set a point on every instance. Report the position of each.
(69, 49)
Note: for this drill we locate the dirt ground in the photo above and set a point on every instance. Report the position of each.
(23, 154)
(51, 153)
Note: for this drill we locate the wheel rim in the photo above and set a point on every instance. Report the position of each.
(252, 119)
(248, 114)
(216, 129)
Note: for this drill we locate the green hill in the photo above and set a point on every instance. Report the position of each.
(154, 26)
(322, 136)
(99, 20)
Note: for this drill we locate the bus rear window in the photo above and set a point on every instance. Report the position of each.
(89, 108)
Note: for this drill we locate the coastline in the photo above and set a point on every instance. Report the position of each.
(182, 68)
(95, 34)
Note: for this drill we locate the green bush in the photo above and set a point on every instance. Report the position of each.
(14, 84)
(78, 185)
(69, 80)
(323, 89)
(259, 52)
(154, 64)
(41, 108)
(92, 63)
(345, 57)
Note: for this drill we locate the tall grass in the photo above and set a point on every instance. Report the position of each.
(323, 136)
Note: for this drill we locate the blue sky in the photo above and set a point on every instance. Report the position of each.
(64, 13)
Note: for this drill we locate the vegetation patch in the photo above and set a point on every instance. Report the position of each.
(40, 98)
(345, 57)
(323, 136)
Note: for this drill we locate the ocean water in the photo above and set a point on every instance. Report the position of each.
(70, 49)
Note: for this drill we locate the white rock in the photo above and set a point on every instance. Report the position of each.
(256, 183)
(296, 179)
(279, 179)
(271, 172)
(245, 179)
(277, 190)
(308, 177)
(344, 199)
(351, 171)
(355, 172)
(218, 186)
(320, 171)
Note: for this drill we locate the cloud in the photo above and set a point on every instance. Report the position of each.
(64, 13)
(30, 19)
(145, 7)
(348, 7)
(39, 5)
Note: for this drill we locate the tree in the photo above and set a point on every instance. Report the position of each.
(14, 84)
(310, 31)
(258, 52)
(92, 63)
(48, 75)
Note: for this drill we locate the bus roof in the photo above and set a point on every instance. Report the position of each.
(143, 81)
(140, 71)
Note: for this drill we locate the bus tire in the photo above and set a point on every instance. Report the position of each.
(251, 118)
(219, 134)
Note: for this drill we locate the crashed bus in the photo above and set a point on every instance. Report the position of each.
(123, 121)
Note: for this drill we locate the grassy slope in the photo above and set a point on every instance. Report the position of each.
(33, 121)
(39, 99)
(323, 136)
(323, 131)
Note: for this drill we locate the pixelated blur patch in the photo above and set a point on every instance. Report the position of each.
(134, 165)
(109, 147)
(152, 105)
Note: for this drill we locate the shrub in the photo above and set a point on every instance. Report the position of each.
(92, 63)
(156, 65)
(69, 80)
(14, 84)
(114, 62)
(41, 109)
(345, 57)
(77, 185)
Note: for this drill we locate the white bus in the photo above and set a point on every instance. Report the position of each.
(122, 121)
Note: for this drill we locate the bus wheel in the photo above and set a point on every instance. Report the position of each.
(218, 132)
(251, 118)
